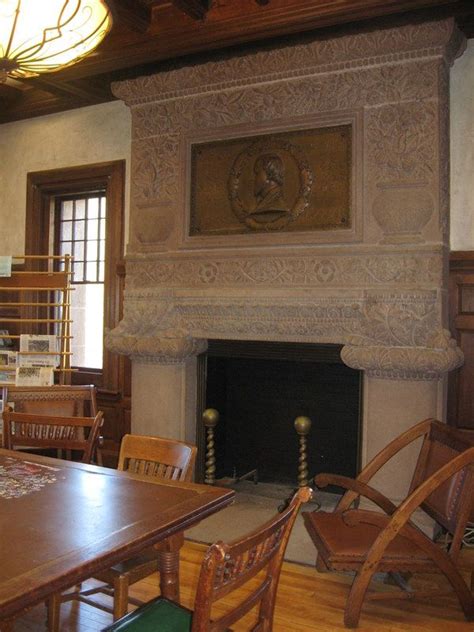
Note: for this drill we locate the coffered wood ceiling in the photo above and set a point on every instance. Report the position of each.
(150, 34)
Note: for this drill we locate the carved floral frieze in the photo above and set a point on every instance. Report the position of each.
(375, 48)
(309, 271)
(416, 80)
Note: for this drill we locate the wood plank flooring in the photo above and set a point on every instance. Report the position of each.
(307, 602)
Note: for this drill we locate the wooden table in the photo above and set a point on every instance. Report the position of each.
(61, 521)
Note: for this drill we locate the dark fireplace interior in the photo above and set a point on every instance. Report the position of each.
(259, 388)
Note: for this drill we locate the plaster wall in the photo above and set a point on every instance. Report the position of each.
(84, 136)
(462, 151)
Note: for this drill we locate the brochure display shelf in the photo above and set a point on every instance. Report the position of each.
(35, 310)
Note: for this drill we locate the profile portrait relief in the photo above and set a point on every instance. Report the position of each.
(287, 181)
(269, 171)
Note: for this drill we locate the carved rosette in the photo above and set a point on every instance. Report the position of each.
(406, 363)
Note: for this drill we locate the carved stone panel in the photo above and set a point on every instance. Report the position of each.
(377, 288)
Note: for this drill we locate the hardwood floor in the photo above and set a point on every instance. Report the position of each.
(307, 602)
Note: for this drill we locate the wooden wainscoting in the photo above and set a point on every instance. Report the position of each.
(461, 317)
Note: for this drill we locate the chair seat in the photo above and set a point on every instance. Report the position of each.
(159, 615)
(344, 545)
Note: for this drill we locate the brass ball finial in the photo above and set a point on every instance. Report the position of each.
(303, 425)
(210, 417)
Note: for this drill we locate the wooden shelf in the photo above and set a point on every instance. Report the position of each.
(36, 300)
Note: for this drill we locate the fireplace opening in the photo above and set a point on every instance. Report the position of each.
(259, 388)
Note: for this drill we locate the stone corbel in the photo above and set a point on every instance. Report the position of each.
(440, 356)
(165, 347)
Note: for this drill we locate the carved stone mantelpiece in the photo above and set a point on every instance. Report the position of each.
(379, 288)
(391, 86)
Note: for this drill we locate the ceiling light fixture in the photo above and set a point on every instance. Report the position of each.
(38, 36)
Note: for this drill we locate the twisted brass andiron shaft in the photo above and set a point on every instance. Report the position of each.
(210, 418)
(303, 427)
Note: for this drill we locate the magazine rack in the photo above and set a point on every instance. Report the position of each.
(37, 301)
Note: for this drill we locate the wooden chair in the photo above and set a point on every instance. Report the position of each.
(24, 430)
(60, 401)
(386, 540)
(227, 567)
(64, 401)
(148, 456)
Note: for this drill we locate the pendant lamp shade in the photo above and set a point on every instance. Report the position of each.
(39, 36)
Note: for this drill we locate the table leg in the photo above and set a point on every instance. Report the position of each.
(168, 565)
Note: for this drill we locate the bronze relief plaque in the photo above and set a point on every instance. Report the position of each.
(290, 181)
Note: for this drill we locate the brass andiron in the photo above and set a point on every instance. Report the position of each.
(302, 427)
(210, 418)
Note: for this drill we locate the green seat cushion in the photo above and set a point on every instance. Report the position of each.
(159, 615)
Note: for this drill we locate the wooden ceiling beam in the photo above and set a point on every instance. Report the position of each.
(225, 26)
(196, 9)
(87, 92)
(9, 93)
(132, 14)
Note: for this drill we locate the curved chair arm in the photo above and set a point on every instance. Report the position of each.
(402, 516)
(400, 521)
(410, 435)
(358, 487)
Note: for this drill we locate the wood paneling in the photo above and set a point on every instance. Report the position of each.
(461, 306)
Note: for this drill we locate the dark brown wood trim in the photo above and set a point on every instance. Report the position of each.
(41, 188)
(460, 409)
(461, 260)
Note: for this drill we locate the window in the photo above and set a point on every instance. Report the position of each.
(79, 211)
(80, 222)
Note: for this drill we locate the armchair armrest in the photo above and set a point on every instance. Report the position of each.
(384, 456)
(358, 488)
(400, 520)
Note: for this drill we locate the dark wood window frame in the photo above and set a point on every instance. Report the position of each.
(42, 187)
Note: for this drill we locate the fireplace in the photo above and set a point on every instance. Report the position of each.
(375, 285)
(259, 388)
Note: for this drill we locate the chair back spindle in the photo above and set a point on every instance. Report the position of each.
(34, 431)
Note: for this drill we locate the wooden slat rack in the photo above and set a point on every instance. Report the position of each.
(36, 299)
